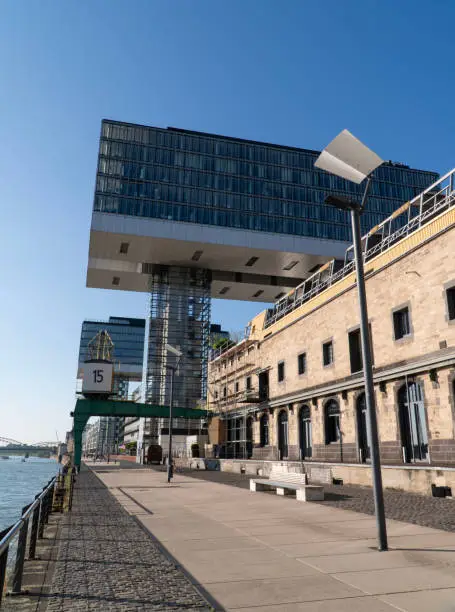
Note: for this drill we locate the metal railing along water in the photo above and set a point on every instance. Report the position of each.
(28, 529)
(434, 200)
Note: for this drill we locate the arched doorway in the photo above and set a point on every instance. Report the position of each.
(363, 429)
(264, 430)
(283, 437)
(305, 433)
(413, 426)
(249, 437)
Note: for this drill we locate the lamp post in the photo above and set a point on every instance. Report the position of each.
(172, 368)
(348, 158)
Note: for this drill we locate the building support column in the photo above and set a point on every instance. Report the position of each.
(179, 316)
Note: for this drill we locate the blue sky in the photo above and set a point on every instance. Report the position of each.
(290, 72)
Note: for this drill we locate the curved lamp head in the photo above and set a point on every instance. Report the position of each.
(349, 158)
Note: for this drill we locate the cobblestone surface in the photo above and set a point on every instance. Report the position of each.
(107, 562)
(423, 510)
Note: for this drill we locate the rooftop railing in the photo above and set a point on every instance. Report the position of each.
(411, 216)
(227, 345)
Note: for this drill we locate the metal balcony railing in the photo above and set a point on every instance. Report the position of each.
(408, 218)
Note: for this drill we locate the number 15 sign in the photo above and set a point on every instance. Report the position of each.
(97, 377)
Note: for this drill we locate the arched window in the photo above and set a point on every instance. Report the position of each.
(264, 430)
(413, 426)
(332, 422)
(305, 432)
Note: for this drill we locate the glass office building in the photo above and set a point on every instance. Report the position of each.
(127, 335)
(193, 177)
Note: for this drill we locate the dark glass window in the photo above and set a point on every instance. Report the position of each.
(332, 422)
(281, 371)
(266, 188)
(236, 387)
(263, 382)
(305, 433)
(450, 294)
(264, 430)
(301, 363)
(248, 382)
(401, 323)
(327, 353)
(355, 351)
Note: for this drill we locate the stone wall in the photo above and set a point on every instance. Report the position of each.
(412, 479)
(418, 279)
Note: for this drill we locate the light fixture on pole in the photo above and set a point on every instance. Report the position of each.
(172, 368)
(350, 159)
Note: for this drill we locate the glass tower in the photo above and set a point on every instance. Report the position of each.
(127, 335)
(194, 177)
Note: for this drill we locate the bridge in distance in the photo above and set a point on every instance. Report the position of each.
(14, 447)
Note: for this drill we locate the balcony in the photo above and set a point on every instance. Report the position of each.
(254, 396)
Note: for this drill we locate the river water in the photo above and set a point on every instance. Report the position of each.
(20, 481)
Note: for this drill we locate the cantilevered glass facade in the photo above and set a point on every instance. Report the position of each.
(192, 177)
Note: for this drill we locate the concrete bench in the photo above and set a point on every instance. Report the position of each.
(286, 483)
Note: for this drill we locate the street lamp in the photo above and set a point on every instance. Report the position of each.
(172, 368)
(349, 158)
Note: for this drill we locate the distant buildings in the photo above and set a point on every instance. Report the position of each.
(131, 424)
(101, 437)
(105, 435)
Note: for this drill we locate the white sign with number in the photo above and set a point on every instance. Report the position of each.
(97, 377)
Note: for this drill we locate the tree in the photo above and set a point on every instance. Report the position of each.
(222, 343)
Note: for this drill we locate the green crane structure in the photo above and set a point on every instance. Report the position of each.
(86, 408)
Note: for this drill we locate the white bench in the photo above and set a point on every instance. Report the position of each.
(287, 482)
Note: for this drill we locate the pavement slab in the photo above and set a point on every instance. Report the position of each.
(235, 595)
(348, 604)
(400, 579)
(442, 600)
(424, 510)
(253, 551)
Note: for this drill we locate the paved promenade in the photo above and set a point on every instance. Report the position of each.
(421, 510)
(107, 562)
(259, 551)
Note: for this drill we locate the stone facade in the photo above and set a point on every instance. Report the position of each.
(414, 375)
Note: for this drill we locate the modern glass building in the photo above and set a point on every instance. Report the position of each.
(193, 177)
(128, 336)
(186, 216)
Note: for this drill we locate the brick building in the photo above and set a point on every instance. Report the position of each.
(293, 388)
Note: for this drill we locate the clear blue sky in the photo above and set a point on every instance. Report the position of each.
(284, 71)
